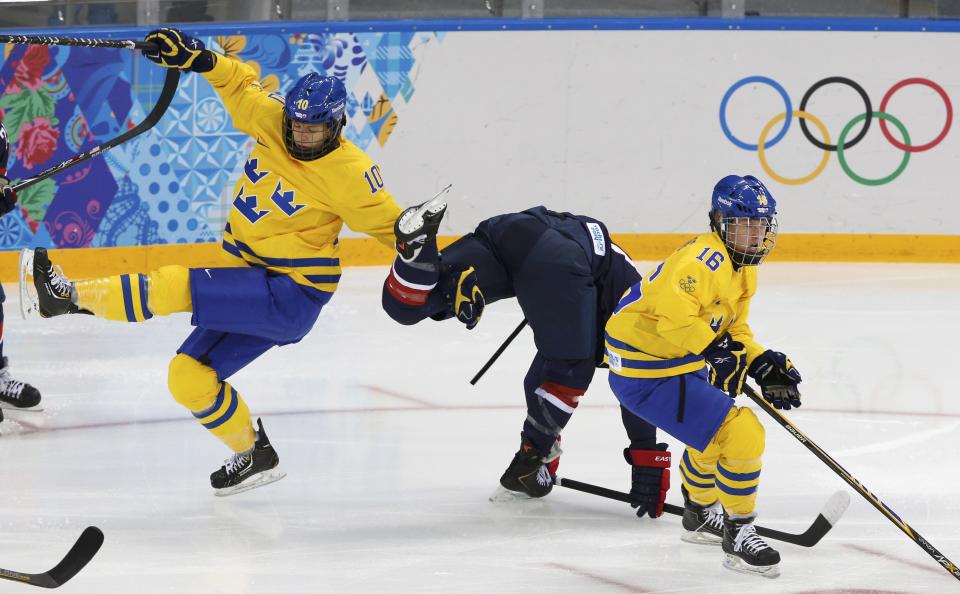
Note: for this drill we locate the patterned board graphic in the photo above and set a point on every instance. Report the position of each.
(174, 183)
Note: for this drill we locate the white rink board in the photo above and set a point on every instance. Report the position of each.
(624, 126)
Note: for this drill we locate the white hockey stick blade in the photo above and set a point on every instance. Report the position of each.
(28, 293)
(835, 507)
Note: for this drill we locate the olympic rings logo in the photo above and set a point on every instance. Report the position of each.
(843, 144)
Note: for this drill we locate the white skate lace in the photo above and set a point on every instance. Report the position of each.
(712, 520)
(59, 282)
(235, 463)
(543, 476)
(748, 539)
(10, 388)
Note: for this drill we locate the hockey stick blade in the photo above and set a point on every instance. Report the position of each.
(163, 102)
(76, 559)
(826, 519)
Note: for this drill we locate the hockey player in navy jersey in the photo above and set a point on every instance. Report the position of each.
(567, 276)
(301, 183)
(679, 346)
(14, 394)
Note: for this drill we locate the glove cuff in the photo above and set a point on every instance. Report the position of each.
(204, 62)
(648, 458)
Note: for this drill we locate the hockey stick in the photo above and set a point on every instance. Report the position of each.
(76, 559)
(499, 352)
(166, 96)
(826, 519)
(76, 41)
(853, 482)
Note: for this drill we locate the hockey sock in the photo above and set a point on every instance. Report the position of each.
(549, 408)
(411, 282)
(214, 403)
(738, 470)
(136, 297)
(697, 472)
(228, 418)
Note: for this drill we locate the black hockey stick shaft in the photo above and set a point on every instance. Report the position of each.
(852, 481)
(76, 559)
(812, 536)
(163, 102)
(77, 41)
(499, 352)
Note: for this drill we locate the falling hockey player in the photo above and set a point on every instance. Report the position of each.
(690, 310)
(300, 184)
(14, 394)
(567, 276)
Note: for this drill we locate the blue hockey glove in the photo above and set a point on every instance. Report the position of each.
(727, 362)
(778, 379)
(178, 50)
(651, 479)
(8, 198)
(468, 299)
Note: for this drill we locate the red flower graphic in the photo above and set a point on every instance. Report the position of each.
(37, 143)
(30, 68)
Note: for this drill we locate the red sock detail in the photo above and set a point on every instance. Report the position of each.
(405, 294)
(566, 394)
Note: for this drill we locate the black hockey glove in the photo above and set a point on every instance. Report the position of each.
(178, 50)
(8, 198)
(727, 362)
(651, 479)
(778, 379)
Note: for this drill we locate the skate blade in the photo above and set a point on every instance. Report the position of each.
(737, 564)
(29, 305)
(504, 495)
(435, 204)
(258, 480)
(701, 538)
(30, 410)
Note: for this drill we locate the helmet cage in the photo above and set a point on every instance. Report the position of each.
(749, 240)
(312, 153)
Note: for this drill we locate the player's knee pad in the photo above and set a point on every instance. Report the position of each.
(742, 435)
(169, 290)
(192, 384)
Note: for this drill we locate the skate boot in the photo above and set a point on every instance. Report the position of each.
(702, 524)
(248, 470)
(17, 395)
(54, 290)
(745, 551)
(528, 475)
(419, 224)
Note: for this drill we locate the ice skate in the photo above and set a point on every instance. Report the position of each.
(52, 291)
(16, 395)
(418, 224)
(701, 524)
(528, 476)
(745, 551)
(249, 470)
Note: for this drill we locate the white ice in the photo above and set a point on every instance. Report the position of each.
(391, 454)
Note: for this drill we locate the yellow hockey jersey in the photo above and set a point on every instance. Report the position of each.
(287, 214)
(661, 326)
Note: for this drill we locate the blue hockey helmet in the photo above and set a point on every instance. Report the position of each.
(744, 215)
(313, 116)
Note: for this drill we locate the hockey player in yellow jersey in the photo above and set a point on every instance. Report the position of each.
(679, 347)
(299, 186)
